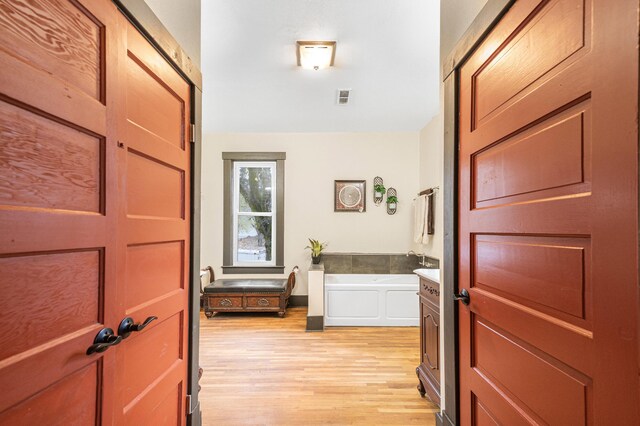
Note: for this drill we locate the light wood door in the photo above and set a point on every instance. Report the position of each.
(94, 208)
(548, 217)
(153, 243)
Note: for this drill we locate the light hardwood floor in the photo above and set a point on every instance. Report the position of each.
(263, 370)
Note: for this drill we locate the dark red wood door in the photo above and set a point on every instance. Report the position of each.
(548, 217)
(58, 198)
(94, 218)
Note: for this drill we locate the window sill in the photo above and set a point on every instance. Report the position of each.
(253, 269)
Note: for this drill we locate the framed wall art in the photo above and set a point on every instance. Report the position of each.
(350, 196)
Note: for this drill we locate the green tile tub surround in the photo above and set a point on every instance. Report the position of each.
(356, 263)
(371, 264)
(337, 263)
(402, 264)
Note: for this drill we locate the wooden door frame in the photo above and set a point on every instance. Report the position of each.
(481, 26)
(145, 21)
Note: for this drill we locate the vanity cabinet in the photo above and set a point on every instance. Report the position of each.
(429, 369)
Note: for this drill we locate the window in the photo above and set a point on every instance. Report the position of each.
(254, 201)
(254, 212)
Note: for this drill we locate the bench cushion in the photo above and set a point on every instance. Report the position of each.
(246, 285)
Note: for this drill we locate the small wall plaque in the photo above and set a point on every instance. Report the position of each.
(350, 196)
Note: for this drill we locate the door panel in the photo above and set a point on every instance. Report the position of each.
(147, 91)
(154, 245)
(547, 274)
(521, 367)
(57, 204)
(481, 415)
(552, 35)
(75, 279)
(154, 188)
(431, 351)
(548, 217)
(152, 345)
(52, 165)
(75, 396)
(156, 269)
(560, 147)
(61, 38)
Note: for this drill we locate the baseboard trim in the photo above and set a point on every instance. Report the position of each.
(302, 300)
(439, 419)
(315, 323)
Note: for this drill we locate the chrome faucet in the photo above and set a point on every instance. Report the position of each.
(423, 257)
(427, 264)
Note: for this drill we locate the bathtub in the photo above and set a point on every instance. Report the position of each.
(371, 300)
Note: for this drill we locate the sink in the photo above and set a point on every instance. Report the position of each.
(430, 274)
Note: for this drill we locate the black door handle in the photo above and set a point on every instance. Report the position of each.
(127, 326)
(463, 297)
(103, 341)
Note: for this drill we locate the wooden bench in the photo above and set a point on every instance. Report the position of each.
(249, 295)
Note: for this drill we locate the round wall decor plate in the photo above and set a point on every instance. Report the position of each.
(350, 196)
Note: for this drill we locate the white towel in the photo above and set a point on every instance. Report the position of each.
(419, 218)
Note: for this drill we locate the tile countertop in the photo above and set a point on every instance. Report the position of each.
(430, 274)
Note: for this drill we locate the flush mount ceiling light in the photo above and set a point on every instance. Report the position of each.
(315, 55)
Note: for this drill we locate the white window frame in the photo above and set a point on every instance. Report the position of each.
(236, 210)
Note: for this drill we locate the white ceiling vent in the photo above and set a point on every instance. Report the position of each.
(343, 96)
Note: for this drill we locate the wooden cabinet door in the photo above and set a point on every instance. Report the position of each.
(94, 208)
(58, 198)
(548, 218)
(429, 369)
(430, 340)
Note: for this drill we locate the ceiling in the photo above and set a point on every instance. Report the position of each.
(387, 53)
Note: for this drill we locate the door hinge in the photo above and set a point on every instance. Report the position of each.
(188, 403)
(192, 133)
(192, 409)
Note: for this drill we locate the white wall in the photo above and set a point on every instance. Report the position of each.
(431, 176)
(314, 161)
(182, 19)
(455, 18)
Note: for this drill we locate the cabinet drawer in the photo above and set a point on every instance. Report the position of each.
(263, 302)
(225, 302)
(430, 290)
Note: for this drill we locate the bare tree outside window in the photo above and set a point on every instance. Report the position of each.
(255, 231)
